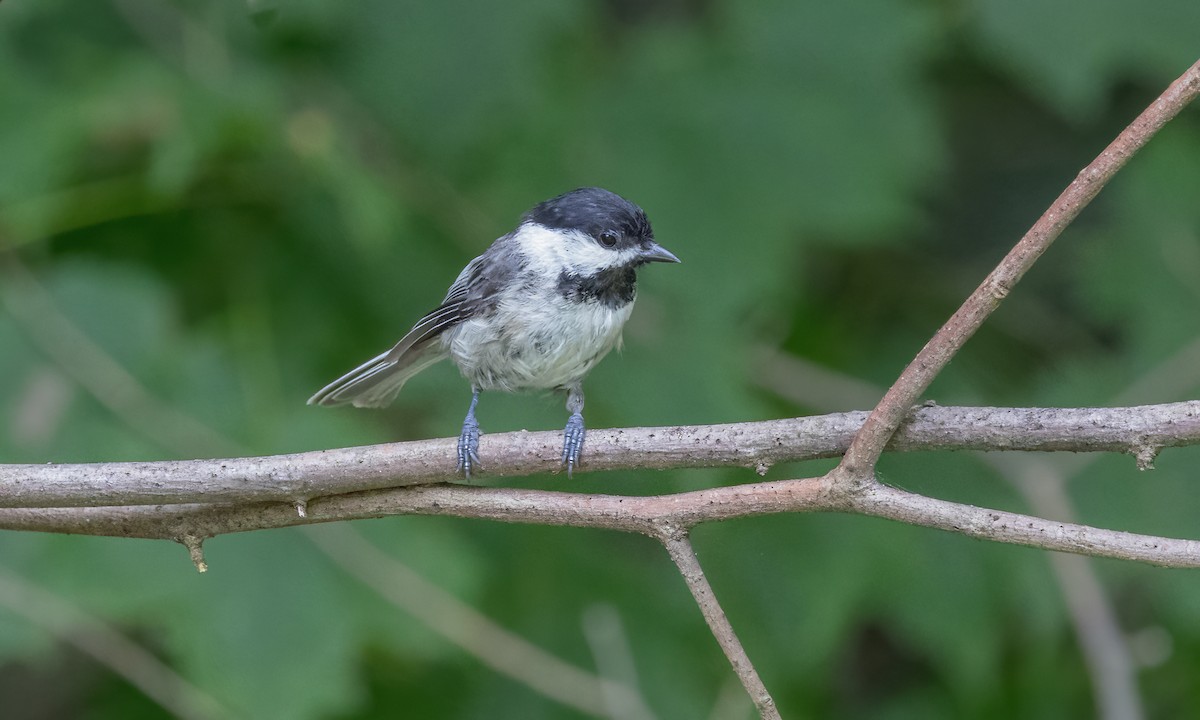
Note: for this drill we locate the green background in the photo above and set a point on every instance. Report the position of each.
(234, 203)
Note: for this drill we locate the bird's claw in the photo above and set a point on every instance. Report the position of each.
(573, 442)
(468, 448)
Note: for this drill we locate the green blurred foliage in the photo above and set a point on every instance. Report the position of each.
(238, 201)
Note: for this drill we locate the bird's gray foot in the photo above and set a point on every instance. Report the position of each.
(468, 442)
(573, 442)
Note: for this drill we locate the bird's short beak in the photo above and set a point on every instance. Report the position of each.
(657, 253)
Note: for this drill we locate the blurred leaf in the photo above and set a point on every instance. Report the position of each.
(1069, 53)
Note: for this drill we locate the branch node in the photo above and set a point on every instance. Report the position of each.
(195, 548)
(667, 531)
(881, 425)
(301, 508)
(762, 467)
(1144, 454)
(846, 484)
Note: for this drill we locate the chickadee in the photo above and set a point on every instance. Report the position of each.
(536, 311)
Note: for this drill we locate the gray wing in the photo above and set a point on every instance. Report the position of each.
(376, 382)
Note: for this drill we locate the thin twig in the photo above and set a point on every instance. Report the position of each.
(110, 648)
(503, 651)
(860, 459)
(680, 548)
(1104, 648)
(611, 651)
(88, 364)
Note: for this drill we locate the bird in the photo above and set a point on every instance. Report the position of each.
(535, 312)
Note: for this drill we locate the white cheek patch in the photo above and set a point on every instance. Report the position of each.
(549, 252)
(543, 249)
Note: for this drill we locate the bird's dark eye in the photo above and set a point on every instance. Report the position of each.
(608, 238)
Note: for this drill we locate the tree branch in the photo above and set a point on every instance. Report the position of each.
(987, 524)
(864, 452)
(680, 549)
(644, 515)
(1140, 431)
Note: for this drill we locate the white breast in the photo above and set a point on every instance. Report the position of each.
(535, 345)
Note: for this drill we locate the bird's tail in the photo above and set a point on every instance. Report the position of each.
(376, 382)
